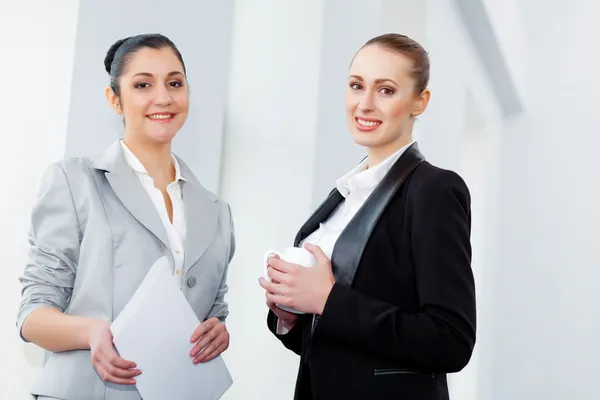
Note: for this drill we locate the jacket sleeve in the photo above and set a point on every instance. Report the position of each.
(220, 308)
(54, 242)
(441, 336)
(291, 340)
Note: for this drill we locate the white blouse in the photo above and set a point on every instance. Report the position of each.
(177, 230)
(356, 186)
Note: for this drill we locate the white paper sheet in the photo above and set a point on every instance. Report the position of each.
(154, 331)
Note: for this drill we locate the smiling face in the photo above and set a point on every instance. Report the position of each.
(154, 99)
(381, 102)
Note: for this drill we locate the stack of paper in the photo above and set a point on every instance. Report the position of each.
(154, 331)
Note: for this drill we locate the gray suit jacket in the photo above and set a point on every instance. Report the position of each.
(94, 235)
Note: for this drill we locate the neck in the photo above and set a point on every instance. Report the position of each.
(378, 154)
(155, 157)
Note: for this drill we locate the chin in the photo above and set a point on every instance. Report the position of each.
(365, 139)
(162, 137)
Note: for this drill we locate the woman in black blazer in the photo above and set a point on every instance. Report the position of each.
(390, 306)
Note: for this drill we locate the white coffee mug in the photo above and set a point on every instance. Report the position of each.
(293, 255)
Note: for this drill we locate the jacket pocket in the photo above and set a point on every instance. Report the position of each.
(400, 371)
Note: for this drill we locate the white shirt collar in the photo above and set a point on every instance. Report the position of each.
(138, 167)
(363, 178)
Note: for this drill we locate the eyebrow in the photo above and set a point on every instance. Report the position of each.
(377, 81)
(148, 74)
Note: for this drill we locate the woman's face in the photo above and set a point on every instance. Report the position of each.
(381, 100)
(154, 98)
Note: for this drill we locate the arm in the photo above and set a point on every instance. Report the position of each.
(49, 275)
(441, 336)
(292, 338)
(220, 308)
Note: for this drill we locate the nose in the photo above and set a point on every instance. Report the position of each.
(366, 102)
(163, 97)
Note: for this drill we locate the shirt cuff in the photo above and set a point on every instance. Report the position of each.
(281, 329)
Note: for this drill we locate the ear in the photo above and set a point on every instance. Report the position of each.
(113, 100)
(421, 103)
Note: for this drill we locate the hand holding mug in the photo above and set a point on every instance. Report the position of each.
(287, 318)
(297, 288)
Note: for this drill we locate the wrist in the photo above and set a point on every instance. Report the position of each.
(91, 327)
(288, 324)
(324, 298)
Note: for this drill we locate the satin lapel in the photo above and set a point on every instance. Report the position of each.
(320, 215)
(349, 247)
(201, 215)
(130, 191)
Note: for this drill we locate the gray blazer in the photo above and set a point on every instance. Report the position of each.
(94, 235)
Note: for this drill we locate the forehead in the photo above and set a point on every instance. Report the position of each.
(154, 61)
(376, 62)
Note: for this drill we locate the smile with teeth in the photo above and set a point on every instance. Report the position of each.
(368, 123)
(160, 116)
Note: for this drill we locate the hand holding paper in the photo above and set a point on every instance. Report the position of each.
(154, 330)
(109, 365)
(212, 339)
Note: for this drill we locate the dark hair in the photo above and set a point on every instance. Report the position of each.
(121, 51)
(409, 48)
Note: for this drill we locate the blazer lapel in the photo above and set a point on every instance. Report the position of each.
(349, 247)
(320, 215)
(130, 191)
(201, 215)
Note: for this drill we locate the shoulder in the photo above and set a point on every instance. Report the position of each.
(191, 179)
(73, 167)
(429, 180)
(68, 171)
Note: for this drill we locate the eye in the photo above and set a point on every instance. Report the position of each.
(355, 86)
(176, 84)
(386, 90)
(142, 85)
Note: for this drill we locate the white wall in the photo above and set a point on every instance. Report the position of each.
(508, 25)
(267, 173)
(202, 38)
(547, 317)
(461, 130)
(285, 114)
(39, 39)
(295, 125)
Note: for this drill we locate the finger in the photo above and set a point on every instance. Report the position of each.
(113, 358)
(203, 328)
(316, 251)
(265, 284)
(270, 304)
(274, 288)
(277, 276)
(115, 367)
(282, 300)
(273, 257)
(282, 266)
(106, 376)
(122, 373)
(220, 341)
(207, 350)
(205, 340)
(221, 348)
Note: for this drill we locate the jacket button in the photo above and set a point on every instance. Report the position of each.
(191, 282)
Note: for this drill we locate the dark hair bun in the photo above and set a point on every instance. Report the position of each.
(110, 54)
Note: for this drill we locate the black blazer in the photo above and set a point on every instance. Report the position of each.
(401, 314)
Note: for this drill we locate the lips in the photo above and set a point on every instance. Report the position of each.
(367, 124)
(161, 118)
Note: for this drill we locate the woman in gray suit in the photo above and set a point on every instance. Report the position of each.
(100, 223)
